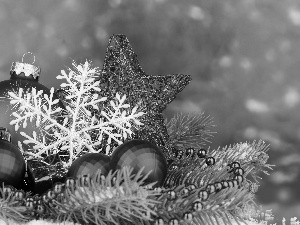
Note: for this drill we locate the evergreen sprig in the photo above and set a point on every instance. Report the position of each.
(221, 206)
(11, 209)
(190, 130)
(191, 170)
(118, 197)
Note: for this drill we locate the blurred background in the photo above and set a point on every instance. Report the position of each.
(243, 56)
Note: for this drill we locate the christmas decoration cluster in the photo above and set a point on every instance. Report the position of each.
(98, 150)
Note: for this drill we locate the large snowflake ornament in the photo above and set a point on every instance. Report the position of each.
(72, 129)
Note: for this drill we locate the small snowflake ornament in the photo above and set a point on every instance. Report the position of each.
(73, 133)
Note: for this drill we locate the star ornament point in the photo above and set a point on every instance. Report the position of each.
(123, 74)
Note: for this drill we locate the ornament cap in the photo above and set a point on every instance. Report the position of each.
(21, 69)
(4, 134)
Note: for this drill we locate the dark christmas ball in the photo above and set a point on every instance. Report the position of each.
(239, 178)
(179, 154)
(224, 184)
(228, 168)
(191, 187)
(238, 171)
(190, 152)
(29, 199)
(29, 205)
(19, 195)
(51, 194)
(171, 195)
(173, 221)
(138, 154)
(218, 186)
(201, 153)
(187, 216)
(173, 167)
(235, 165)
(235, 183)
(12, 164)
(8, 190)
(58, 188)
(89, 164)
(25, 76)
(197, 206)
(84, 180)
(70, 183)
(40, 209)
(210, 188)
(45, 198)
(60, 197)
(230, 184)
(203, 195)
(159, 221)
(210, 161)
(185, 191)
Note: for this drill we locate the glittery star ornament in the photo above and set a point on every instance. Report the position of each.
(122, 74)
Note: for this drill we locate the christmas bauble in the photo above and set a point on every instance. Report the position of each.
(25, 76)
(12, 163)
(89, 164)
(138, 154)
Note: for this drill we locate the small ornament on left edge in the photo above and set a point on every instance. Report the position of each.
(25, 76)
(12, 163)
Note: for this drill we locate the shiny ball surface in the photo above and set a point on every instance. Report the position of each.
(29, 205)
(19, 195)
(201, 153)
(70, 182)
(218, 186)
(58, 188)
(235, 165)
(179, 154)
(239, 178)
(12, 165)
(230, 184)
(138, 154)
(210, 188)
(159, 221)
(210, 161)
(203, 195)
(238, 171)
(173, 221)
(235, 183)
(197, 206)
(225, 184)
(187, 216)
(89, 164)
(190, 152)
(171, 195)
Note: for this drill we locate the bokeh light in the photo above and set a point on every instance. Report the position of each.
(243, 56)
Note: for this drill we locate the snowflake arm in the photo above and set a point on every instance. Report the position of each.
(70, 128)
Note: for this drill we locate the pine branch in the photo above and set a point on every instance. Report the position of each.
(190, 130)
(119, 196)
(11, 208)
(190, 170)
(220, 207)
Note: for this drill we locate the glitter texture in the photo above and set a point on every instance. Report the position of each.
(122, 74)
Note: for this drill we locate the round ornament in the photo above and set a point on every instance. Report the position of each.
(138, 154)
(25, 76)
(89, 164)
(12, 163)
(201, 153)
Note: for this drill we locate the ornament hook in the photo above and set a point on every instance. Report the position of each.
(31, 54)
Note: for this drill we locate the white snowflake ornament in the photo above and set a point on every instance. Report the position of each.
(73, 133)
